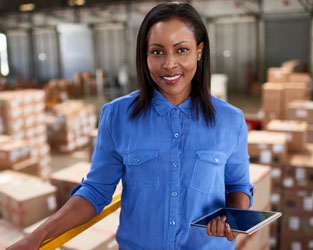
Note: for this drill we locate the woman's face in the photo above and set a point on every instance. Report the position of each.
(172, 58)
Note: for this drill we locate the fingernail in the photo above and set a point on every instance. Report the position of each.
(226, 225)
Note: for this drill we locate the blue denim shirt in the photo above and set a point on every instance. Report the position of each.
(174, 169)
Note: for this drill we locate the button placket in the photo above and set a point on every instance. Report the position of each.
(175, 177)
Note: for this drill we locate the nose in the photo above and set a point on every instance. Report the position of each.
(170, 62)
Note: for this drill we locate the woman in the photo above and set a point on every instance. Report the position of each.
(180, 152)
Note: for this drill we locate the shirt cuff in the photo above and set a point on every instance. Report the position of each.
(88, 192)
(247, 189)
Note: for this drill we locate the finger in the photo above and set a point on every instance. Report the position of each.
(208, 228)
(214, 226)
(228, 232)
(221, 227)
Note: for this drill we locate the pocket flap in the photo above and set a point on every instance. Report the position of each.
(140, 157)
(215, 157)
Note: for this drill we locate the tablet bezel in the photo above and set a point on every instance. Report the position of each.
(251, 230)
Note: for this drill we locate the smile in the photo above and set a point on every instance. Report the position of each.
(171, 78)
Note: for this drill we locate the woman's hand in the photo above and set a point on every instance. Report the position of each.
(219, 228)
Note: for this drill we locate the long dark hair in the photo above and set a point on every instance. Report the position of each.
(202, 78)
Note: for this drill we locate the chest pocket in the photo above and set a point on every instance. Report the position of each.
(208, 172)
(141, 169)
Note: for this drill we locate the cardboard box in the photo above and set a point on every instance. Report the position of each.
(295, 91)
(30, 166)
(277, 75)
(269, 148)
(68, 178)
(277, 176)
(275, 229)
(297, 224)
(310, 133)
(100, 236)
(301, 110)
(273, 98)
(258, 241)
(13, 152)
(260, 177)
(299, 77)
(296, 133)
(9, 234)
(292, 241)
(296, 242)
(26, 202)
(297, 202)
(298, 171)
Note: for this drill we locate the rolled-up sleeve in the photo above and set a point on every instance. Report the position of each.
(237, 176)
(106, 168)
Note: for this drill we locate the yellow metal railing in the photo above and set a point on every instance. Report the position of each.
(59, 241)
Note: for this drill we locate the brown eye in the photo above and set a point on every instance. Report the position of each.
(157, 52)
(182, 50)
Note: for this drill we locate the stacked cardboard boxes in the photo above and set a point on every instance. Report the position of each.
(71, 124)
(24, 119)
(296, 133)
(270, 148)
(16, 155)
(25, 199)
(260, 177)
(297, 222)
(282, 88)
(302, 111)
(68, 178)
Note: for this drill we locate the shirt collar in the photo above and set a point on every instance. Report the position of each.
(163, 106)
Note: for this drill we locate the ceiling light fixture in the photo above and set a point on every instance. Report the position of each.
(27, 7)
(76, 2)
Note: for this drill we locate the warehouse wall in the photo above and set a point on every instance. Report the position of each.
(76, 49)
(236, 50)
(19, 51)
(46, 53)
(287, 38)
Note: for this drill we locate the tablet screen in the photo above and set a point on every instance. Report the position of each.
(240, 220)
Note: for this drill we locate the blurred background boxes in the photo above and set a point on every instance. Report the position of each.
(26, 202)
(296, 133)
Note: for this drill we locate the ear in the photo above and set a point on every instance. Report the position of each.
(199, 50)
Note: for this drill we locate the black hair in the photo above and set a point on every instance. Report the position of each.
(200, 91)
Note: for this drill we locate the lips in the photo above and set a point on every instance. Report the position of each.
(171, 78)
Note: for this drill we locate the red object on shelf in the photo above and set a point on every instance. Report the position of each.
(253, 123)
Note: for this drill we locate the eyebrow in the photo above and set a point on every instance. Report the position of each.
(176, 44)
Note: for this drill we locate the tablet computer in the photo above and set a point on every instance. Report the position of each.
(240, 220)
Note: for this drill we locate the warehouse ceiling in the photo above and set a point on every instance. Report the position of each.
(15, 6)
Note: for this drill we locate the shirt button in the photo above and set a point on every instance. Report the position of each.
(217, 160)
(137, 159)
(176, 135)
(173, 223)
(174, 194)
(175, 165)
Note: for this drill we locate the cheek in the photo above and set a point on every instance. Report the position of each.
(153, 65)
(190, 66)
